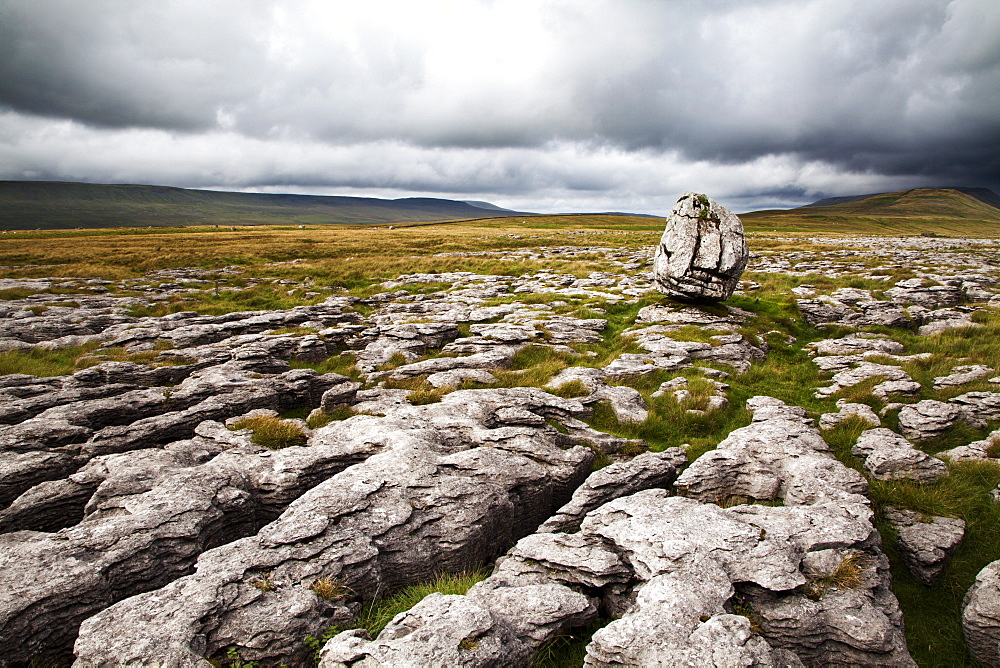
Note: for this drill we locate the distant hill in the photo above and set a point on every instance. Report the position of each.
(946, 211)
(982, 194)
(60, 205)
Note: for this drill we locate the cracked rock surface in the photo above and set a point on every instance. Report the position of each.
(138, 524)
(981, 615)
(702, 252)
(451, 484)
(925, 543)
(685, 579)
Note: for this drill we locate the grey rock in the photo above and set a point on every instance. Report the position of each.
(765, 550)
(343, 393)
(829, 311)
(961, 375)
(497, 357)
(410, 340)
(945, 324)
(646, 471)
(689, 315)
(465, 630)
(932, 297)
(849, 410)
(856, 344)
(981, 615)
(145, 524)
(978, 406)
(454, 482)
(778, 456)
(702, 252)
(679, 619)
(889, 456)
(859, 374)
(890, 388)
(977, 450)
(925, 543)
(19, 471)
(458, 377)
(928, 419)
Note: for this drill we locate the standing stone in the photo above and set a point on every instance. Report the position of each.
(702, 252)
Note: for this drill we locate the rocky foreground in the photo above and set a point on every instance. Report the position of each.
(143, 522)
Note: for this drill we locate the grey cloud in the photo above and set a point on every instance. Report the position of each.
(887, 90)
(116, 63)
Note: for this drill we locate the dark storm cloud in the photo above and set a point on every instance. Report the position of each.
(604, 102)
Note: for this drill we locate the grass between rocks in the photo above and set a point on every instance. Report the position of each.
(271, 432)
(377, 613)
(932, 614)
(65, 361)
(329, 261)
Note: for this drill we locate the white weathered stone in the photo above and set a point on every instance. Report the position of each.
(889, 456)
(702, 252)
(981, 616)
(925, 543)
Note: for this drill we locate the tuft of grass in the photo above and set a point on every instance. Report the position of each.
(40, 362)
(534, 366)
(272, 432)
(569, 649)
(321, 419)
(420, 391)
(378, 613)
(397, 360)
(263, 582)
(329, 589)
(574, 388)
(64, 361)
(849, 574)
(344, 364)
(294, 331)
(742, 606)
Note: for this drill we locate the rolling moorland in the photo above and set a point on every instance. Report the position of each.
(28, 205)
(538, 298)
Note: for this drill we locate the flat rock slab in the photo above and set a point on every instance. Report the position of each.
(452, 484)
(928, 419)
(889, 456)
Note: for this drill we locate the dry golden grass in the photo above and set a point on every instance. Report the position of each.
(329, 589)
(338, 254)
(271, 432)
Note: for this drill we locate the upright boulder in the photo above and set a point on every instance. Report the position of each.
(702, 252)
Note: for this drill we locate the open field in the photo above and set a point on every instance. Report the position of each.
(580, 268)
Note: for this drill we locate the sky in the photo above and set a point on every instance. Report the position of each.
(534, 105)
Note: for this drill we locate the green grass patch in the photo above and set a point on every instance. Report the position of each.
(343, 364)
(41, 362)
(933, 620)
(568, 650)
(375, 615)
(271, 432)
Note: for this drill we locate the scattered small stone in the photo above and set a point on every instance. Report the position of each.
(926, 543)
(960, 375)
(889, 456)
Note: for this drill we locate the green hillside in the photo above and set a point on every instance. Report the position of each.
(943, 211)
(29, 205)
